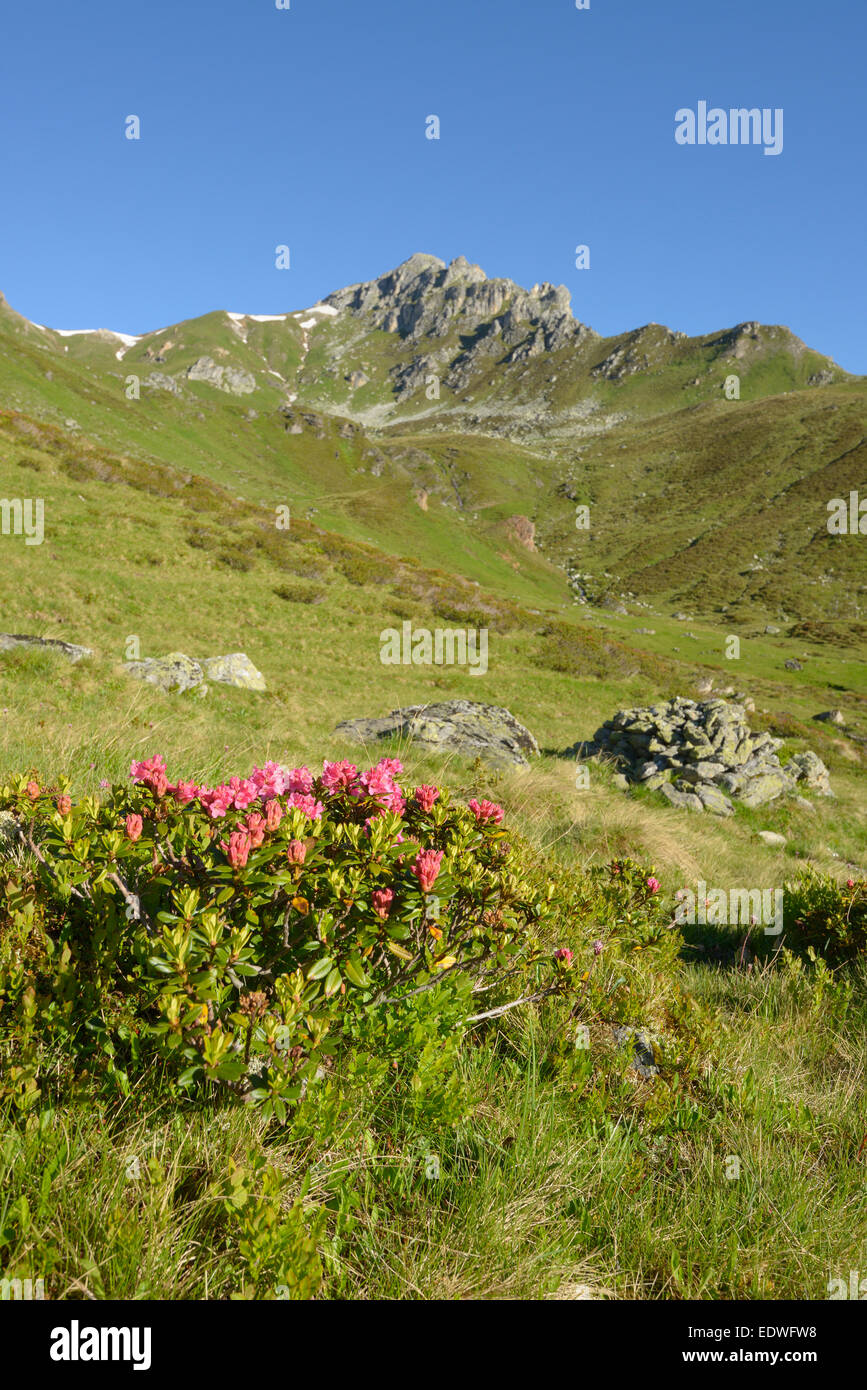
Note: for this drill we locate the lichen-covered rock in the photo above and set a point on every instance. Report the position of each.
(695, 753)
(235, 669)
(809, 770)
(10, 640)
(178, 672)
(175, 672)
(467, 727)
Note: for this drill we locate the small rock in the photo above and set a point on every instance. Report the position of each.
(10, 640)
(643, 1058)
(772, 630)
(235, 669)
(771, 837)
(793, 665)
(832, 716)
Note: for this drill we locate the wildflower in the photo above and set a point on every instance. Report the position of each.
(273, 814)
(255, 824)
(564, 954)
(380, 784)
(382, 900)
(269, 780)
(426, 867)
(653, 884)
(850, 883)
(32, 790)
(64, 805)
(426, 796)
(308, 804)
(300, 779)
(184, 792)
(485, 811)
(336, 777)
(296, 852)
(133, 826)
(237, 851)
(217, 801)
(597, 948)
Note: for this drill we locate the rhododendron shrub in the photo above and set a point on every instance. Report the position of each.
(238, 931)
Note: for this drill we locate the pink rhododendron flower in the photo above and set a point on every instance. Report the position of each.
(382, 901)
(380, 784)
(564, 954)
(426, 796)
(269, 780)
(184, 792)
(64, 805)
(300, 779)
(653, 885)
(308, 804)
(393, 766)
(426, 867)
(336, 777)
(273, 814)
(218, 801)
(485, 811)
(133, 826)
(255, 824)
(237, 851)
(149, 769)
(296, 852)
(32, 790)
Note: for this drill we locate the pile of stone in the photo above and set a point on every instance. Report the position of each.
(698, 755)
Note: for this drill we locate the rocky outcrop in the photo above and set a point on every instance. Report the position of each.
(699, 755)
(467, 727)
(178, 672)
(478, 319)
(9, 640)
(234, 380)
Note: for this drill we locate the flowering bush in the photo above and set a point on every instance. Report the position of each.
(827, 915)
(236, 931)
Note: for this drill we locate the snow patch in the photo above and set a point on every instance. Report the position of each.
(259, 318)
(128, 338)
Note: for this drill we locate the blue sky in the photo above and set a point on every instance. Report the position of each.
(306, 127)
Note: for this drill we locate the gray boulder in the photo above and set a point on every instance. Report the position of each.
(235, 669)
(179, 672)
(8, 641)
(175, 672)
(467, 727)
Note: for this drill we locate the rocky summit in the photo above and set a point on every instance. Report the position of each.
(699, 754)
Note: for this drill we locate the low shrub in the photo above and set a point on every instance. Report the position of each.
(829, 916)
(235, 934)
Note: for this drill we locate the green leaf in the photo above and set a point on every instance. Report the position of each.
(333, 983)
(354, 972)
(398, 950)
(319, 968)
